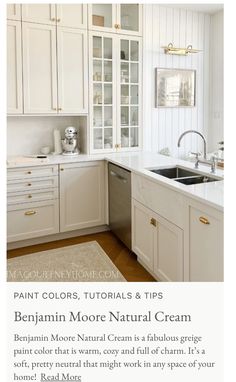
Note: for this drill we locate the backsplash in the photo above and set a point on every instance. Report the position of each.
(26, 135)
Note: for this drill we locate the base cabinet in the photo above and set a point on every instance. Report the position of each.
(158, 243)
(82, 194)
(205, 244)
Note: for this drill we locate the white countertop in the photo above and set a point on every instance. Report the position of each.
(139, 162)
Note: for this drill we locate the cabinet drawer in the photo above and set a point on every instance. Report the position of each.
(32, 196)
(31, 172)
(37, 219)
(27, 185)
(160, 199)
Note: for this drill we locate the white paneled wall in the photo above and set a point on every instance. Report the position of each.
(163, 126)
(216, 125)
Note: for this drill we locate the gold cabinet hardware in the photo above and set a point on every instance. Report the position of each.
(116, 26)
(62, 169)
(58, 20)
(29, 196)
(204, 220)
(29, 184)
(117, 145)
(153, 222)
(29, 172)
(29, 213)
(53, 19)
(59, 109)
(54, 108)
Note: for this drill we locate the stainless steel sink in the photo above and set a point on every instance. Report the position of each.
(184, 176)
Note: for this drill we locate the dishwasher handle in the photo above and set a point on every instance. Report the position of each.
(121, 178)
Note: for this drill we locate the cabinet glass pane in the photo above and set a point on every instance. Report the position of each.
(125, 137)
(97, 116)
(108, 138)
(124, 75)
(97, 139)
(134, 94)
(108, 71)
(129, 14)
(124, 50)
(124, 94)
(97, 47)
(107, 52)
(97, 94)
(124, 116)
(108, 94)
(134, 73)
(108, 116)
(102, 15)
(97, 70)
(134, 137)
(134, 116)
(134, 56)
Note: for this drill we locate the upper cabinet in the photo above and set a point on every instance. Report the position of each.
(14, 12)
(14, 68)
(116, 18)
(66, 15)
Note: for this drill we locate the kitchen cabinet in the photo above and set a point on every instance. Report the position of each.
(50, 57)
(205, 243)
(158, 243)
(116, 18)
(82, 194)
(14, 68)
(65, 15)
(115, 102)
(32, 202)
(14, 12)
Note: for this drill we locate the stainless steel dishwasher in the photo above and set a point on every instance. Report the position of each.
(119, 181)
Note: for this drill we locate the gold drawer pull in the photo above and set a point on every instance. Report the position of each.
(58, 20)
(204, 220)
(62, 169)
(29, 184)
(29, 196)
(116, 26)
(29, 172)
(59, 109)
(153, 222)
(53, 19)
(29, 213)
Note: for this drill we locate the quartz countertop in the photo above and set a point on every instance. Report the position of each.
(140, 162)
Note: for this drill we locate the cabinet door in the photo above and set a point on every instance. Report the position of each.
(81, 195)
(206, 245)
(168, 250)
(39, 69)
(72, 15)
(14, 12)
(129, 18)
(39, 13)
(142, 234)
(129, 94)
(103, 92)
(14, 68)
(103, 17)
(72, 70)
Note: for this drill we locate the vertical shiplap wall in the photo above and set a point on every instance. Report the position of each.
(163, 126)
(216, 125)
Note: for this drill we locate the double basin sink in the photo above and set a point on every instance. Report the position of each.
(185, 176)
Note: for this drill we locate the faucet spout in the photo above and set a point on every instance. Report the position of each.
(195, 132)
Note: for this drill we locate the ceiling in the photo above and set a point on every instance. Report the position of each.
(205, 8)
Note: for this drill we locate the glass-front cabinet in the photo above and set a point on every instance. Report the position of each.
(115, 78)
(118, 18)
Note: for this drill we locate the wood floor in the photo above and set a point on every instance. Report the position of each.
(124, 260)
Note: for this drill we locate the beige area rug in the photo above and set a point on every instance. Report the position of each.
(86, 262)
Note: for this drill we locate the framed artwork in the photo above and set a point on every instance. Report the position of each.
(175, 87)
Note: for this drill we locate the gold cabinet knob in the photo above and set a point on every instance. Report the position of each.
(29, 172)
(54, 108)
(58, 20)
(153, 222)
(29, 184)
(204, 220)
(53, 19)
(59, 109)
(62, 169)
(29, 196)
(118, 26)
(29, 213)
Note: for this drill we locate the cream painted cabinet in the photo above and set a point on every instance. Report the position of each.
(82, 195)
(72, 15)
(205, 243)
(39, 13)
(157, 243)
(14, 68)
(14, 12)
(55, 69)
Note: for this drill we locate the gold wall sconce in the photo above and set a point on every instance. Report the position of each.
(170, 49)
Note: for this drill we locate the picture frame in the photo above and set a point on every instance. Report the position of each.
(175, 87)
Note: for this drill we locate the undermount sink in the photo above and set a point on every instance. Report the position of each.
(184, 176)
